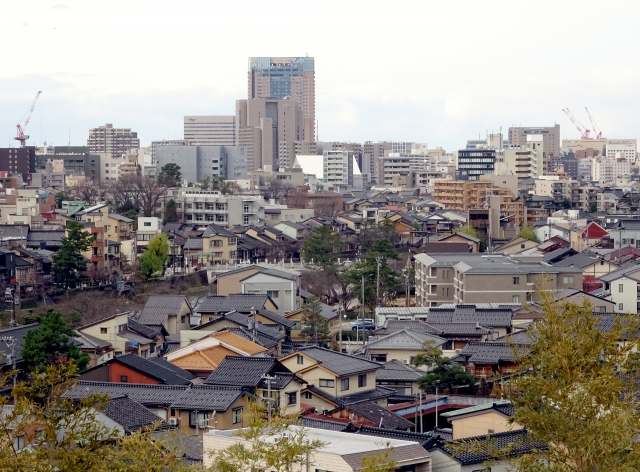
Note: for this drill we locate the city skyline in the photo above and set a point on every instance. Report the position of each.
(448, 78)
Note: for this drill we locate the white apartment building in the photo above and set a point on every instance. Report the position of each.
(207, 206)
(337, 168)
(605, 170)
(527, 161)
(622, 148)
(216, 130)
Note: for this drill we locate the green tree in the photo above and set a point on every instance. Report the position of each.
(442, 371)
(170, 211)
(593, 208)
(276, 445)
(68, 434)
(170, 175)
(528, 232)
(50, 343)
(566, 203)
(60, 197)
(69, 262)
(220, 184)
(381, 251)
(322, 247)
(466, 230)
(154, 256)
(316, 327)
(577, 391)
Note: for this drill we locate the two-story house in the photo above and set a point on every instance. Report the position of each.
(335, 378)
(171, 312)
(622, 286)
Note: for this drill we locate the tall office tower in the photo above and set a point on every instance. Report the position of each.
(18, 161)
(550, 138)
(286, 77)
(110, 140)
(216, 130)
(269, 130)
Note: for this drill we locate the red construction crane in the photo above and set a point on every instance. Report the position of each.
(594, 126)
(581, 128)
(25, 121)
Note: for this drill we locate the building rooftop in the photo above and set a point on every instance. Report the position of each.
(474, 263)
(131, 415)
(248, 372)
(18, 333)
(378, 415)
(394, 370)
(503, 407)
(159, 369)
(159, 307)
(234, 301)
(339, 363)
(405, 339)
(146, 394)
(208, 398)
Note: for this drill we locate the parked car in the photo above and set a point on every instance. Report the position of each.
(369, 325)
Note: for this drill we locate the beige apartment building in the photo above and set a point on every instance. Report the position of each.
(113, 141)
(550, 137)
(215, 130)
(481, 278)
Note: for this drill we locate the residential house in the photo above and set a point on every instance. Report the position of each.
(47, 239)
(171, 312)
(489, 359)
(213, 306)
(621, 287)
(478, 420)
(129, 368)
(264, 377)
(99, 351)
(402, 346)
(11, 344)
(216, 245)
(371, 414)
(400, 377)
(517, 244)
(190, 408)
(124, 335)
(472, 242)
(125, 416)
(327, 312)
(281, 286)
(148, 228)
(202, 356)
(331, 374)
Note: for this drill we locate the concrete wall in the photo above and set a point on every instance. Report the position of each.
(286, 298)
(481, 424)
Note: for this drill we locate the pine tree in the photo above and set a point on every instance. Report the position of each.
(323, 247)
(316, 327)
(69, 262)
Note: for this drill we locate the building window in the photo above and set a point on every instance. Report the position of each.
(144, 353)
(379, 357)
(236, 415)
(567, 279)
(173, 412)
(362, 380)
(344, 385)
(124, 378)
(516, 281)
(308, 395)
(199, 418)
(146, 223)
(620, 306)
(18, 443)
(292, 398)
(327, 383)
(620, 288)
(103, 330)
(273, 293)
(299, 359)
(122, 327)
(515, 299)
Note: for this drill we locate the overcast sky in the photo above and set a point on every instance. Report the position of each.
(439, 72)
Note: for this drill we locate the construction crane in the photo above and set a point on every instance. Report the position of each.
(25, 121)
(581, 128)
(594, 126)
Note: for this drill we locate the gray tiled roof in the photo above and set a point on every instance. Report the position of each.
(518, 442)
(157, 370)
(242, 320)
(90, 342)
(215, 230)
(379, 415)
(234, 301)
(271, 316)
(264, 341)
(193, 243)
(146, 394)
(142, 329)
(165, 364)
(264, 270)
(577, 260)
(399, 454)
(308, 422)
(420, 438)
(131, 415)
(247, 371)
(208, 398)
(487, 353)
(119, 217)
(159, 307)
(341, 364)
(18, 333)
(368, 395)
(135, 337)
(405, 339)
(488, 317)
(394, 370)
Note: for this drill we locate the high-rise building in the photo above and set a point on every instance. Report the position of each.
(375, 151)
(18, 161)
(290, 78)
(269, 129)
(215, 130)
(114, 141)
(337, 168)
(472, 163)
(73, 160)
(550, 137)
(528, 161)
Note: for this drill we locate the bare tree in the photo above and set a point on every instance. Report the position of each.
(87, 191)
(298, 197)
(276, 189)
(139, 192)
(328, 205)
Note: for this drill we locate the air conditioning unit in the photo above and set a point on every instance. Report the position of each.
(458, 351)
(173, 421)
(405, 361)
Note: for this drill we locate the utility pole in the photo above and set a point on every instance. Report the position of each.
(340, 324)
(377, 281)
(268, 379)
(362, 312)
